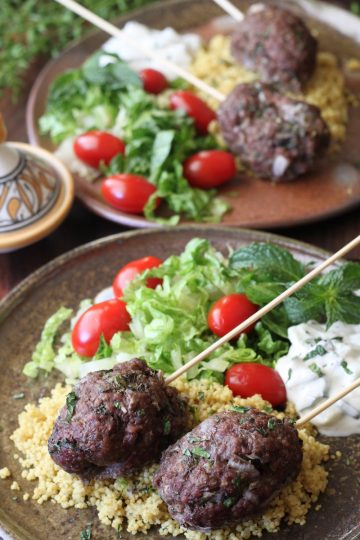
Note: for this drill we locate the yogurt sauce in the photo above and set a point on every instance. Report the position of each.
(320, 362)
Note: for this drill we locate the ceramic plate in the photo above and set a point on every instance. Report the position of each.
(333, 188)
(80, 274)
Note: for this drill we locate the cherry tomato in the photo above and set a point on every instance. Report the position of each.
(153, 80)
(127, 192)
(246, 380)
(228, 312)
(96, 146)
(134, 268)
(209, 168)
(105, 318)
(195, 107)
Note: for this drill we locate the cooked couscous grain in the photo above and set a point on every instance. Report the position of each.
(4, 473)
(132, 503)
(326, 89)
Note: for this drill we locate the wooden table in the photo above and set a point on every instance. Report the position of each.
(82, 226)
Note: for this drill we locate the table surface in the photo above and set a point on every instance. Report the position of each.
(82, 226)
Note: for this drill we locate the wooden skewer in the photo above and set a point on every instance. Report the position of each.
(116, 32)
(327, 403)
(232, 10)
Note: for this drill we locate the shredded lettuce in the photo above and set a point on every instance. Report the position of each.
(169, 323)
(44, 354)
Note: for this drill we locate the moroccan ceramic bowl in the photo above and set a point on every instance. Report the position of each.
(36, 193)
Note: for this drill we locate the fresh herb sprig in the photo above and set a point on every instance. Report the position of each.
(31, 28)
(266, 270)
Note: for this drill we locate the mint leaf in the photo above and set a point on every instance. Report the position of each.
(271, 260)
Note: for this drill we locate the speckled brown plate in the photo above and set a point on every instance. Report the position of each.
(82, 273)
(333, 188)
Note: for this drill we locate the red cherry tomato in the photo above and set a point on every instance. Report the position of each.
(246, 380)
(210, 168)
(96, 146)
(195, 107)
(153, 80)
(228, 312)
(127, 192)
(134, 268)
(105, 318)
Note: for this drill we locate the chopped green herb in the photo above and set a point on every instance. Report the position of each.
(101, 409)
(262, 431)
(338, 338)
(187, 452)
(344, 365)
(121, 483)
(140, 412)
(268, 409)
(289, 375)
(200, 452)
(71, 400)
(318, 351)
(229, 502)
(271, 424)
(167, 427)
(117, 404)
(201, 396)
(237, 481)
(292, 421)
(196, 439)
(20, 395)
(86, 534)
(315, 369)
(240, 409)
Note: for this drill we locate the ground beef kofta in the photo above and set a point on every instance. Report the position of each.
(277, 137)
(277, 45)
(117, 421)
(228, 468)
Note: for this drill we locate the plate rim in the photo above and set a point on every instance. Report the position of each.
(25, 288)
(100, 208)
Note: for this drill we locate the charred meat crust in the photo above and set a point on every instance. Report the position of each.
(228, 468)
(122, 419)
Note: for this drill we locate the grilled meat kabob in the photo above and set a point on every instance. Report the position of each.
(277, 137)
(117, 421)
(277, 45)
(228, 468)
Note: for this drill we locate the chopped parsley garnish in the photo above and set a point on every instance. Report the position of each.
(196, 439)
(71, 400)
(200, 452)
(315, 369)
(229, 502)
(187, 452)
(291, 421)
(140, 412)
(289, 375)
(201, 396)
(271, 424)
(268, 409)
(338, 338)
(240, 409)
(237, 481)
(20, 395)
(86, 534)
(101, 409)
(117, 404)
(262, 431)
(344, 365)
(167, 427)
(318, 351)
(121, 483)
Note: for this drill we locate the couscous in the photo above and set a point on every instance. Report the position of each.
(132, 504)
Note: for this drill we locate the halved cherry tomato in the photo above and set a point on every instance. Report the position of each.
(134, 268)
(105, 318)
(96, 146)
(195, 107)
(127, 192)
(246, 380)
(210, 168)
(228, 312)
(154, 81)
